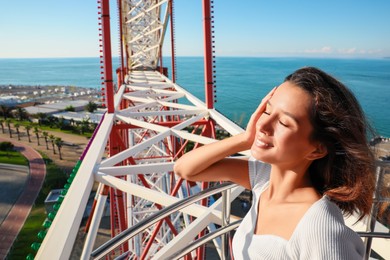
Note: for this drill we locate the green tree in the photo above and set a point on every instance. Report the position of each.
(5, 111)
(6, 147)
(21, 113)
(28, 128)
(17, 126)
(45, 136)
(8, 122)
(91, 107)
(52, 139)
(84, 125)
(36, 132)
(69, 108)
(41, 117)
(58, 142)
(61, 123)
(2, 125)
(52, 121)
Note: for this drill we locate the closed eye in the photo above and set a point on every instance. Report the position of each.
(267, 113)
(283, 124)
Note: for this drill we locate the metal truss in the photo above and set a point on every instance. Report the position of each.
(156, 126)
(144, 23)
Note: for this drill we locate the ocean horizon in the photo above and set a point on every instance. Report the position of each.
(241, 82)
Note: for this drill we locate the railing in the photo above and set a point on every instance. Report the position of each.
(205, 239)
(380, 196)
(147, 222)
(224, 230)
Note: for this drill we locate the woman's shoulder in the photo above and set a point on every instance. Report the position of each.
(324, 216)
(322, 228)
(259, 172)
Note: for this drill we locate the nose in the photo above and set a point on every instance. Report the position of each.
(265, 125)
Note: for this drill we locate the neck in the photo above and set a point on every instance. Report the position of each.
(285, 183)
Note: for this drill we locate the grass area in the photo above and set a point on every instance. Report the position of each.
(28, 234)
(67, 131)
(43, 127)
(13, 157)
(55, 179)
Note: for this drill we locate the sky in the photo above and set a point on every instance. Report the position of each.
(254, 28)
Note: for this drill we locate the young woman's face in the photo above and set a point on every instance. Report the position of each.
(283, 130)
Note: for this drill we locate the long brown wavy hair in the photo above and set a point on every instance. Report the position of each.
(346, 173)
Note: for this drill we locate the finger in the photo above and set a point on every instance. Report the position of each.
(264, 101)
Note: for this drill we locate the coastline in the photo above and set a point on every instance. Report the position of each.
(17, 95)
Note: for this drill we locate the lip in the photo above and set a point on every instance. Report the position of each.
(259, 142)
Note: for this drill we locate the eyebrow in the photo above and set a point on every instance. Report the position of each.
(286, 113)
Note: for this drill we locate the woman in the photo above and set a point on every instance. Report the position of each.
(310, 164)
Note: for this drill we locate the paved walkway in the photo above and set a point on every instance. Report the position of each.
(13, 179)
(11, 226)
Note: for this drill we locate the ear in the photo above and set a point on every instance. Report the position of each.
(319, 152)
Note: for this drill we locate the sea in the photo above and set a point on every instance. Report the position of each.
(241, 82)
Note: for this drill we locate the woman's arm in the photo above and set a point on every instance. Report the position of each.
(209, 162)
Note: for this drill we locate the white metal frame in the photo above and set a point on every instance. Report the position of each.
(153, 92)
(144, 30)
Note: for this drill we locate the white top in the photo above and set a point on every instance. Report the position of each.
(320, 234)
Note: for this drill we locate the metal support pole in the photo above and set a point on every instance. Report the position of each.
(92, 233)
(371, 221)
(208, 55)
(225, 222)
(120, 17)
(173, 54)
(107, 57)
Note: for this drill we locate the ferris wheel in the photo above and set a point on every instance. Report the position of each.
(150, 122)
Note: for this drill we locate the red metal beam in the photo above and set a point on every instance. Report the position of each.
(208, 55)
(107, 57)
(120, 18)
(173, 54)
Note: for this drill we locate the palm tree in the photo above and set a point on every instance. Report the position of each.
(52, 121)
(17, 126)
(36, 132)
(8, 122)
(46, 135)
(5, 111)
(52, 139)
(61, 123)
(28, 128)
(58, 143)
(41, 117)
(2, 125)
(91, 106)
(84, 125)
(21, 113)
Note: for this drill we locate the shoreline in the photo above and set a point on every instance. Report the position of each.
(17, 95)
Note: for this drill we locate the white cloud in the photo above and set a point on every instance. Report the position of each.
(325, 49)
(348, 51)
(353, 51)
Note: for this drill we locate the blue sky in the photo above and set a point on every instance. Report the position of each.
(321, 28)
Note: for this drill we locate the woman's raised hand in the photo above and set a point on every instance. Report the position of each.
(250, 132)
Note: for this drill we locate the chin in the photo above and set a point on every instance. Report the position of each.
(260, 156)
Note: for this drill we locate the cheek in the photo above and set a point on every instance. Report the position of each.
(288, 140)
(281, 133)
